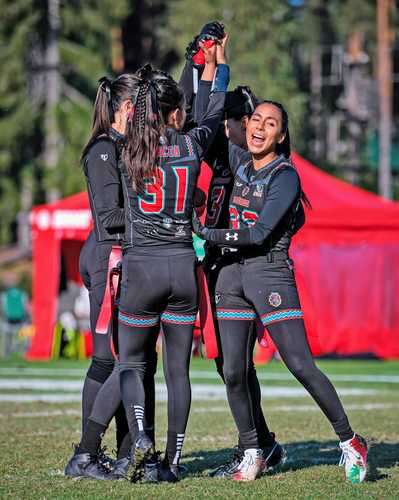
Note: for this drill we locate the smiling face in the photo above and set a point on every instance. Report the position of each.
(265, 130)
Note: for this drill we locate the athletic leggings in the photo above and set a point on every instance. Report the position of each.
(101, 398)
(256, 287)
(265, 438)
(157, 289)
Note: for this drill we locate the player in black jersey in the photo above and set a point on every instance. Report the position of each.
(101, 399)
(239, 105)
(161, 166)
(257, 279)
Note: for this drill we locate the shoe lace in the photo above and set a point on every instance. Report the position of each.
(349, 453)
(246, 462)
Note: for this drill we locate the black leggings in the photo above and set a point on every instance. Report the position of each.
(157, 289)
(267, 289)
(265, 438)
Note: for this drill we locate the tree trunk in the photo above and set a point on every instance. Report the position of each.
(52, 97)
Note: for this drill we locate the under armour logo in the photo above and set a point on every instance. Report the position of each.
(231, 236)
(104, 157)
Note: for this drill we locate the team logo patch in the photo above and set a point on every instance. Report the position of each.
(104, 157)
(275, 299)
(231, 236)
(167, 223)
(180, 231)
(245, 191)
(217, 298)
(259, 190)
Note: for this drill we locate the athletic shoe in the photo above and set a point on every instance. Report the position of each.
(168, 473)
(251, 466)
(354, 457)
(120, 469)
(151, 466)
(273, 456)
(85, 465)
(228, 469)
(141, 452)
(105, 460)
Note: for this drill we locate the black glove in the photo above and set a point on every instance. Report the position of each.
(211, 31)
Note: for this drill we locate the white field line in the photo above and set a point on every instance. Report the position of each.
(199, 391)
(216, 409)
(197, 374)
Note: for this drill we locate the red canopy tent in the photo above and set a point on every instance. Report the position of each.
(346, 258)
(58, 228)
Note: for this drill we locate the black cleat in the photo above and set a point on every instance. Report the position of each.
(228, 469)
(168, 473)
(120, 469)
(141, 452)
(150, 474)
(273, 456)
(105, 460)
(85, 465)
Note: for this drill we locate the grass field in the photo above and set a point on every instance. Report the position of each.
(40, 419)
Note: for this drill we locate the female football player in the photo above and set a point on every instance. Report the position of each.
(101, 398)
(160, 170)
(257, 279)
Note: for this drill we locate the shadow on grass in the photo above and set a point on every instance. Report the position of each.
(303, 455)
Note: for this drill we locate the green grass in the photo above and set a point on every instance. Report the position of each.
(35, 447)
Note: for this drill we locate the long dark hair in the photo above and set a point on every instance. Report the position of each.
(110, 95)
(285, 147)
(156, 95)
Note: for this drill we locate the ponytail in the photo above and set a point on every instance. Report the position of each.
(157, 95)
(110, 95)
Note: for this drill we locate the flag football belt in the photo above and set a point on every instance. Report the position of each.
(109, 305)
(237, 254)
(206, 323)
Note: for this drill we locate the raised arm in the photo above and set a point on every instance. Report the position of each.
(209, 123)
(104, 184)
(283, 192)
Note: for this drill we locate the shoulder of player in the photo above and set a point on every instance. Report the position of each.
(102, 151)
(285, 174)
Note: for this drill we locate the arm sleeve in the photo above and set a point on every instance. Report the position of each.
(202, 100)
(203, 134)
(104, 182)
(283, 192)
(237, 156)
(186, 82)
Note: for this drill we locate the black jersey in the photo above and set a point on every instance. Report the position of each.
(217, 209)
(100, 166)
(265, 208)
(160, 215)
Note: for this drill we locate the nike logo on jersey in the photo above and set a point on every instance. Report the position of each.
(104, 157)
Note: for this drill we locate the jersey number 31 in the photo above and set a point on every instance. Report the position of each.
(153, 201)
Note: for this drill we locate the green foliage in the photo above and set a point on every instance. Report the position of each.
(85, 53)
(262, 37)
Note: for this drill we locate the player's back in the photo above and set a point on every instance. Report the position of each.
(159, 214)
